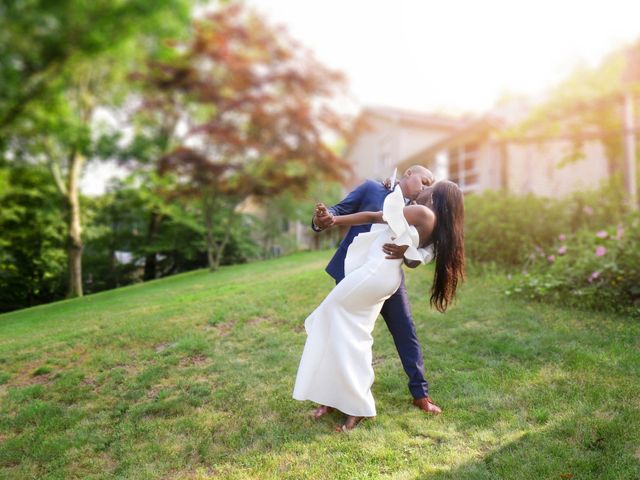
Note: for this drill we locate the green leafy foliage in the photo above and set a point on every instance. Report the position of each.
(32, 259)
(505, 229)
(590, 269)
(44, 40)
(118, 242)
(588, 104)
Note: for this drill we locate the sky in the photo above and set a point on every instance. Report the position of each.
(454, 55)
(450, 56)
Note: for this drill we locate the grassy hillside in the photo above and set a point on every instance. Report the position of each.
(191, 377)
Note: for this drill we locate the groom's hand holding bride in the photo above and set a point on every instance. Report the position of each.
(393, 251)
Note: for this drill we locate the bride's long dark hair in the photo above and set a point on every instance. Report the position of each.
(448, 241)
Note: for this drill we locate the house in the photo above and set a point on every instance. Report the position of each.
(477, 157)
(472, 152)
(383, 138)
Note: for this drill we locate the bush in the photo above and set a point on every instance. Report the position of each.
(32, 240)
(592, 269)
(504, 229)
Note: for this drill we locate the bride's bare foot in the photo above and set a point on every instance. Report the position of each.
(321, 411)
(350, 423)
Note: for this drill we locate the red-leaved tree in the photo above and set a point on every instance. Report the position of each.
(257, 114)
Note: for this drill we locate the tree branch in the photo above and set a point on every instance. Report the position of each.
(54, 167)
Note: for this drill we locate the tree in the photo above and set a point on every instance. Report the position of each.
(258, 118)
(116, 234)
(589, 105)
(40, 40)
(67, 59)
(32, 241)
(158, 114)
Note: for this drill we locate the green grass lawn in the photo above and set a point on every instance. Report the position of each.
(191, 377)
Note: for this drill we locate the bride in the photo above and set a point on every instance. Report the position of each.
(336, 365)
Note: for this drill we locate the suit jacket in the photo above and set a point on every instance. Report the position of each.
(367, 197)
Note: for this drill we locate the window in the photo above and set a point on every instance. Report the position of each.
(463, 166)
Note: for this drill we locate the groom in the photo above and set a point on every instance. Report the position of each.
(396, 310)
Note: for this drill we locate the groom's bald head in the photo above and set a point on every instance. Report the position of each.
(423, 172)
(414, 180)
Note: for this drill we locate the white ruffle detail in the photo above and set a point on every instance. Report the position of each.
(405, 234)
(428, 253)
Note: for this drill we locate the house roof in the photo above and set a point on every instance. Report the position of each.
(421, 119)
(405, 117)
(483, 124)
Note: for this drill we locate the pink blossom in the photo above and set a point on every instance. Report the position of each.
(551, 258)
(593, 276)
(602, 234)
(587, 210)
(562, 250)
(620, 232)
(562, 237)
(600, 251)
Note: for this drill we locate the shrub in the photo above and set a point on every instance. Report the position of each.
(596, 269)
(503, 228)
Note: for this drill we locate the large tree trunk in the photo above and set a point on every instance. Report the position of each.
(220, 250)
(74, 239)
(113, 264)
(215, 250)
(150, 263)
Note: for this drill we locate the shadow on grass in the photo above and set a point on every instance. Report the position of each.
(582, 446)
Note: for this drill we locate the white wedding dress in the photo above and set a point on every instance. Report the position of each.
(335, 368)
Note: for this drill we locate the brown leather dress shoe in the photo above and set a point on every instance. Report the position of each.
(426, 405)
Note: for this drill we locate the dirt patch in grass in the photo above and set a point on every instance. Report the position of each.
(194, 360)
(223, 328)
(41, 371)
(30, 374)
(90, 382)
(258, 320)
(161, 347)
(378, 360)
(153, 392)
(604, 414)
(193, 474)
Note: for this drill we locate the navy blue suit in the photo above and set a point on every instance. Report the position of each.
(396, 311)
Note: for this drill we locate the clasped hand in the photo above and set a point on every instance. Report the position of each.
(324, 219)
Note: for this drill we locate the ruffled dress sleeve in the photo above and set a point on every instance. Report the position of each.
(405, 234)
